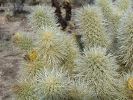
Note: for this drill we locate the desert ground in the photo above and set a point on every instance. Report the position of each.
(10, 56)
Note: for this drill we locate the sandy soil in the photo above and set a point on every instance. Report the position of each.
(10, 56)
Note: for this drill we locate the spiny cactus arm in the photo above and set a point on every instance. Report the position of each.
(24, 89)
(125, 41)
(106, 7)
(112, 15)
(42, 16)
(23, 41)
(123, 5)
(99, 68)
(72, 54)
(90, 25)
(52, 48)
(32, 68)
(109, 10)
(52, 84)
(78, 90)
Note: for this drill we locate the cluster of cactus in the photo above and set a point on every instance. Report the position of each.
(55, 69)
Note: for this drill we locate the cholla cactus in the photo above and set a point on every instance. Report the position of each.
(32, 64)
(106, 7)
(125, 41)
(111, 12)
(113, 24)
(112, 16)
(72, 54)
(90, 22)
(42, 16)
(51, 47)
(32, 68)
(52, 84)
(22, 41)
(24, 89)
(99, 69)
(123, 5)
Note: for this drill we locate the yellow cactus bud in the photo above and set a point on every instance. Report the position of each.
(31, 56)
(130, 83)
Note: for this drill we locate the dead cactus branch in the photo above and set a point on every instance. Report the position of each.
(67, 6)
